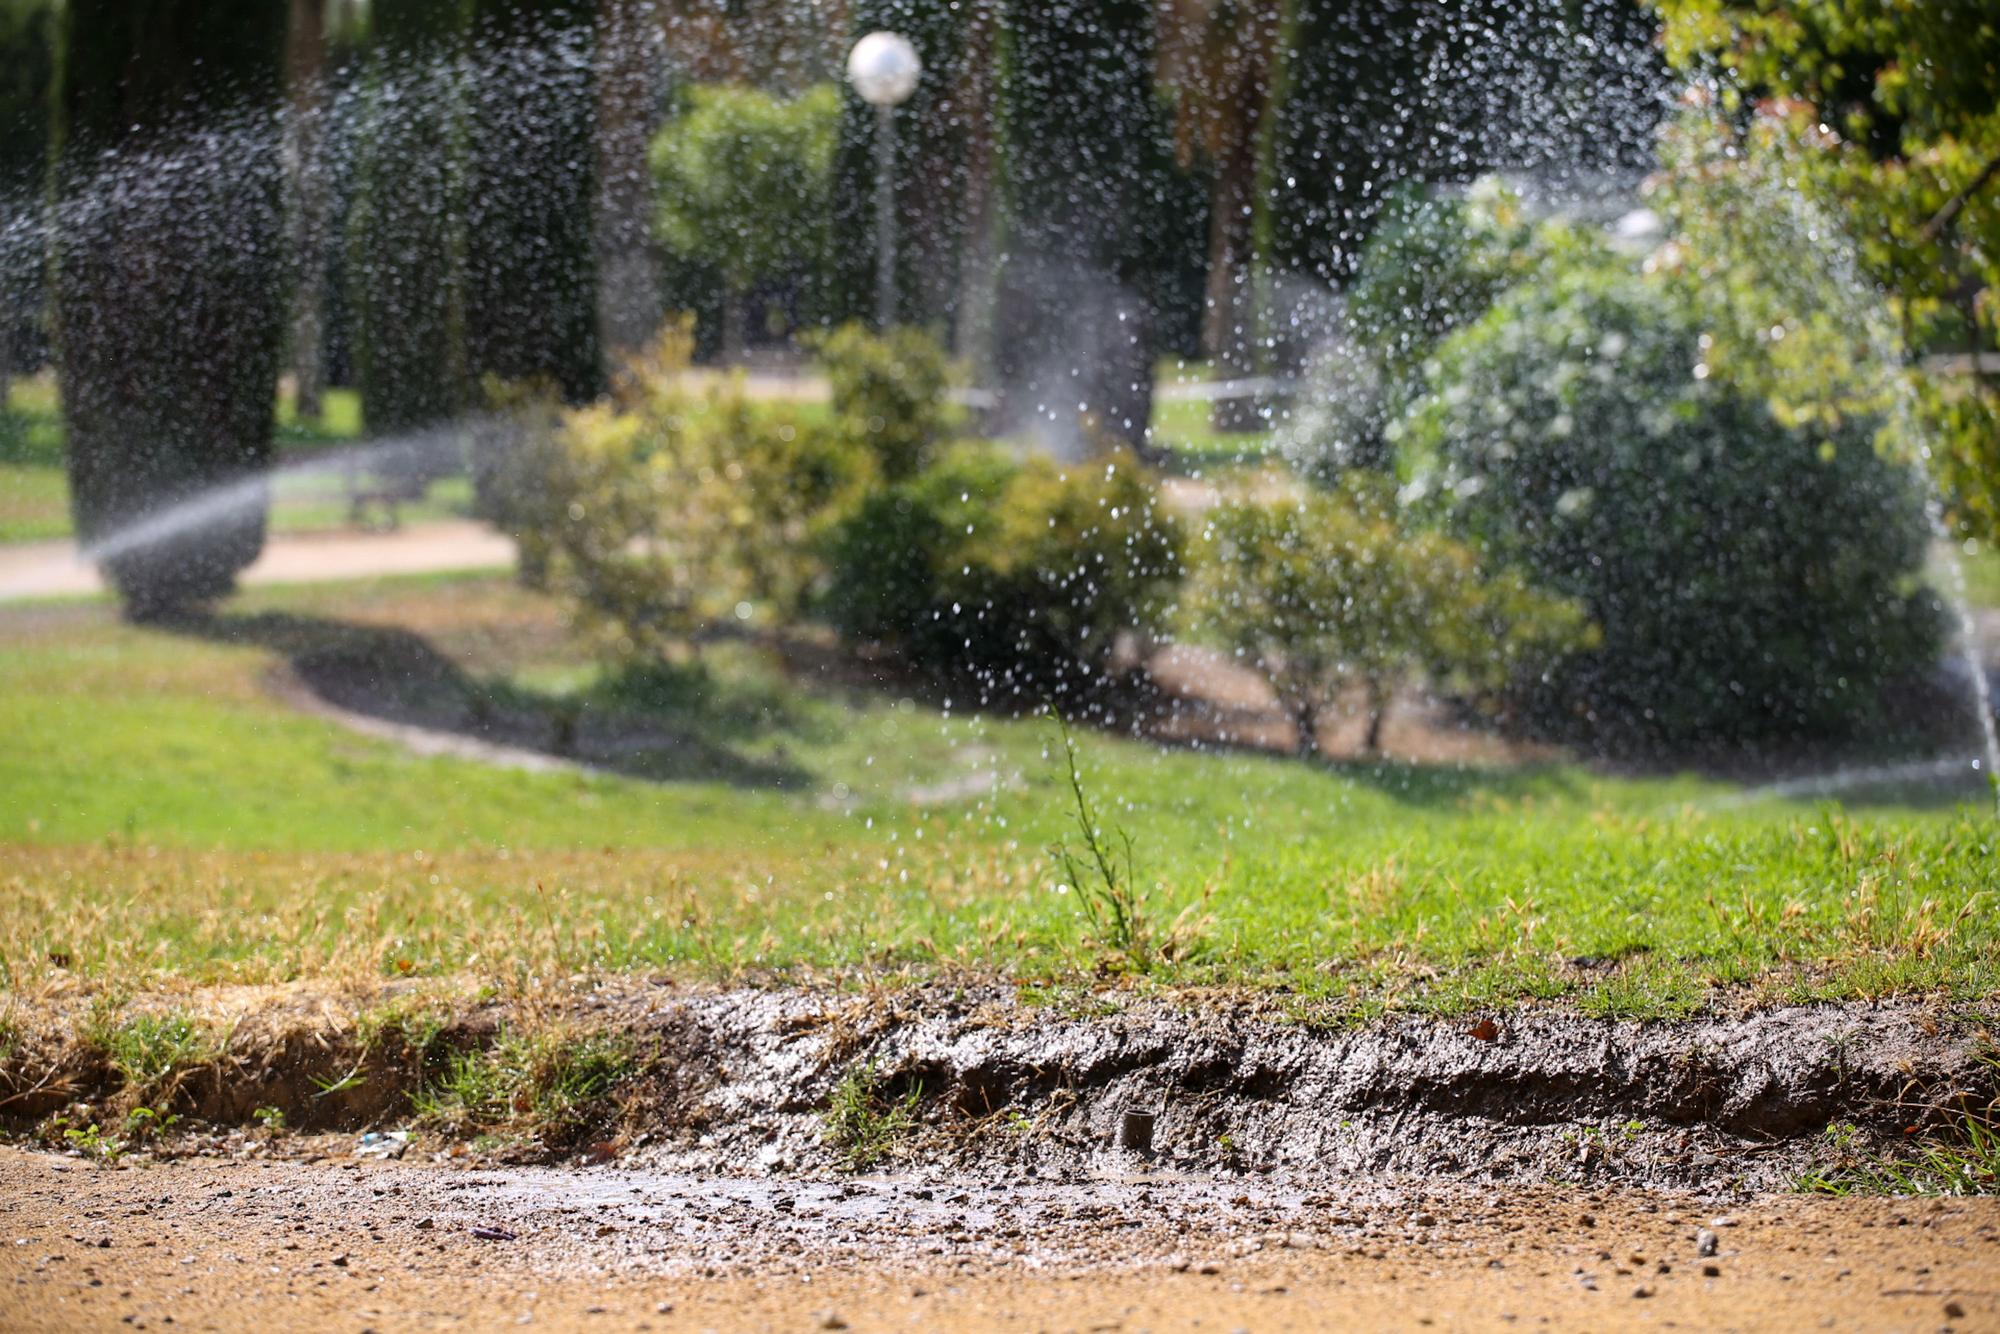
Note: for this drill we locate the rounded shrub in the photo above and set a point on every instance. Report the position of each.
(888, 393)
(1752, 580)
(665, 507)
(1021, 573)
(1329, 589)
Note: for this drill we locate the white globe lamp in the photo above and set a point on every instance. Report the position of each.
(884, 69)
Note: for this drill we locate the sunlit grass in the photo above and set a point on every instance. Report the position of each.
(1981, 563)
(1956, 1153)
(339, 419)
(1186, 427)
(165, 820)
(34, 503)
(34, 492)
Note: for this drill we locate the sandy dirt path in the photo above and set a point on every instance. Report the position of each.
(341, 1245)
(51, 569)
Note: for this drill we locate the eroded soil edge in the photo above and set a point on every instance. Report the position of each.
(973, 1079)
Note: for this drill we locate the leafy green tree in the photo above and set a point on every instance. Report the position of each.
(1099, 218)
(1886, 117)
(1329, 590)
(168, 277)
(742, 180)
(1378, 97)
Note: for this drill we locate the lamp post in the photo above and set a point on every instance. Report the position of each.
(883, 67)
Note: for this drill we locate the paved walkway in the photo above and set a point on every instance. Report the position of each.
(52, 569)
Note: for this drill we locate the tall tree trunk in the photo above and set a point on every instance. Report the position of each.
(1123, 388)
(1305, 718)
(734, 301)
(630, 67)
(305, 73)
(1378, 712)
(1229, 315)
(972, 335)
(168, 275)
(531, 273)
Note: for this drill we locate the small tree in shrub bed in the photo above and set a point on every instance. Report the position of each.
(1753, 580)
(664, 508)
(1021, 574)
(1329, 590)
(888, 393)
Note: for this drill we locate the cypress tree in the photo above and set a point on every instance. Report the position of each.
(1096, 216)
(630, 75)
(27, 66)
(305, 80)
(168, 273)
(531, 274)
(405, 223)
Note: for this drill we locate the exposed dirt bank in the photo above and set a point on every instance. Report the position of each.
(394, 1246)
(740, 1080)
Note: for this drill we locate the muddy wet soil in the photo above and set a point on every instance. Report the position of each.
(740, 1080)
(342, 1245)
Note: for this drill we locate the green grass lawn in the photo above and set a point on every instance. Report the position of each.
(1981, 563)
(34, 494)
(1186, 427)
(164, 818)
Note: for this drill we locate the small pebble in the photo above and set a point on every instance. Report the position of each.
(1953, 1311)
(1705, 1242)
